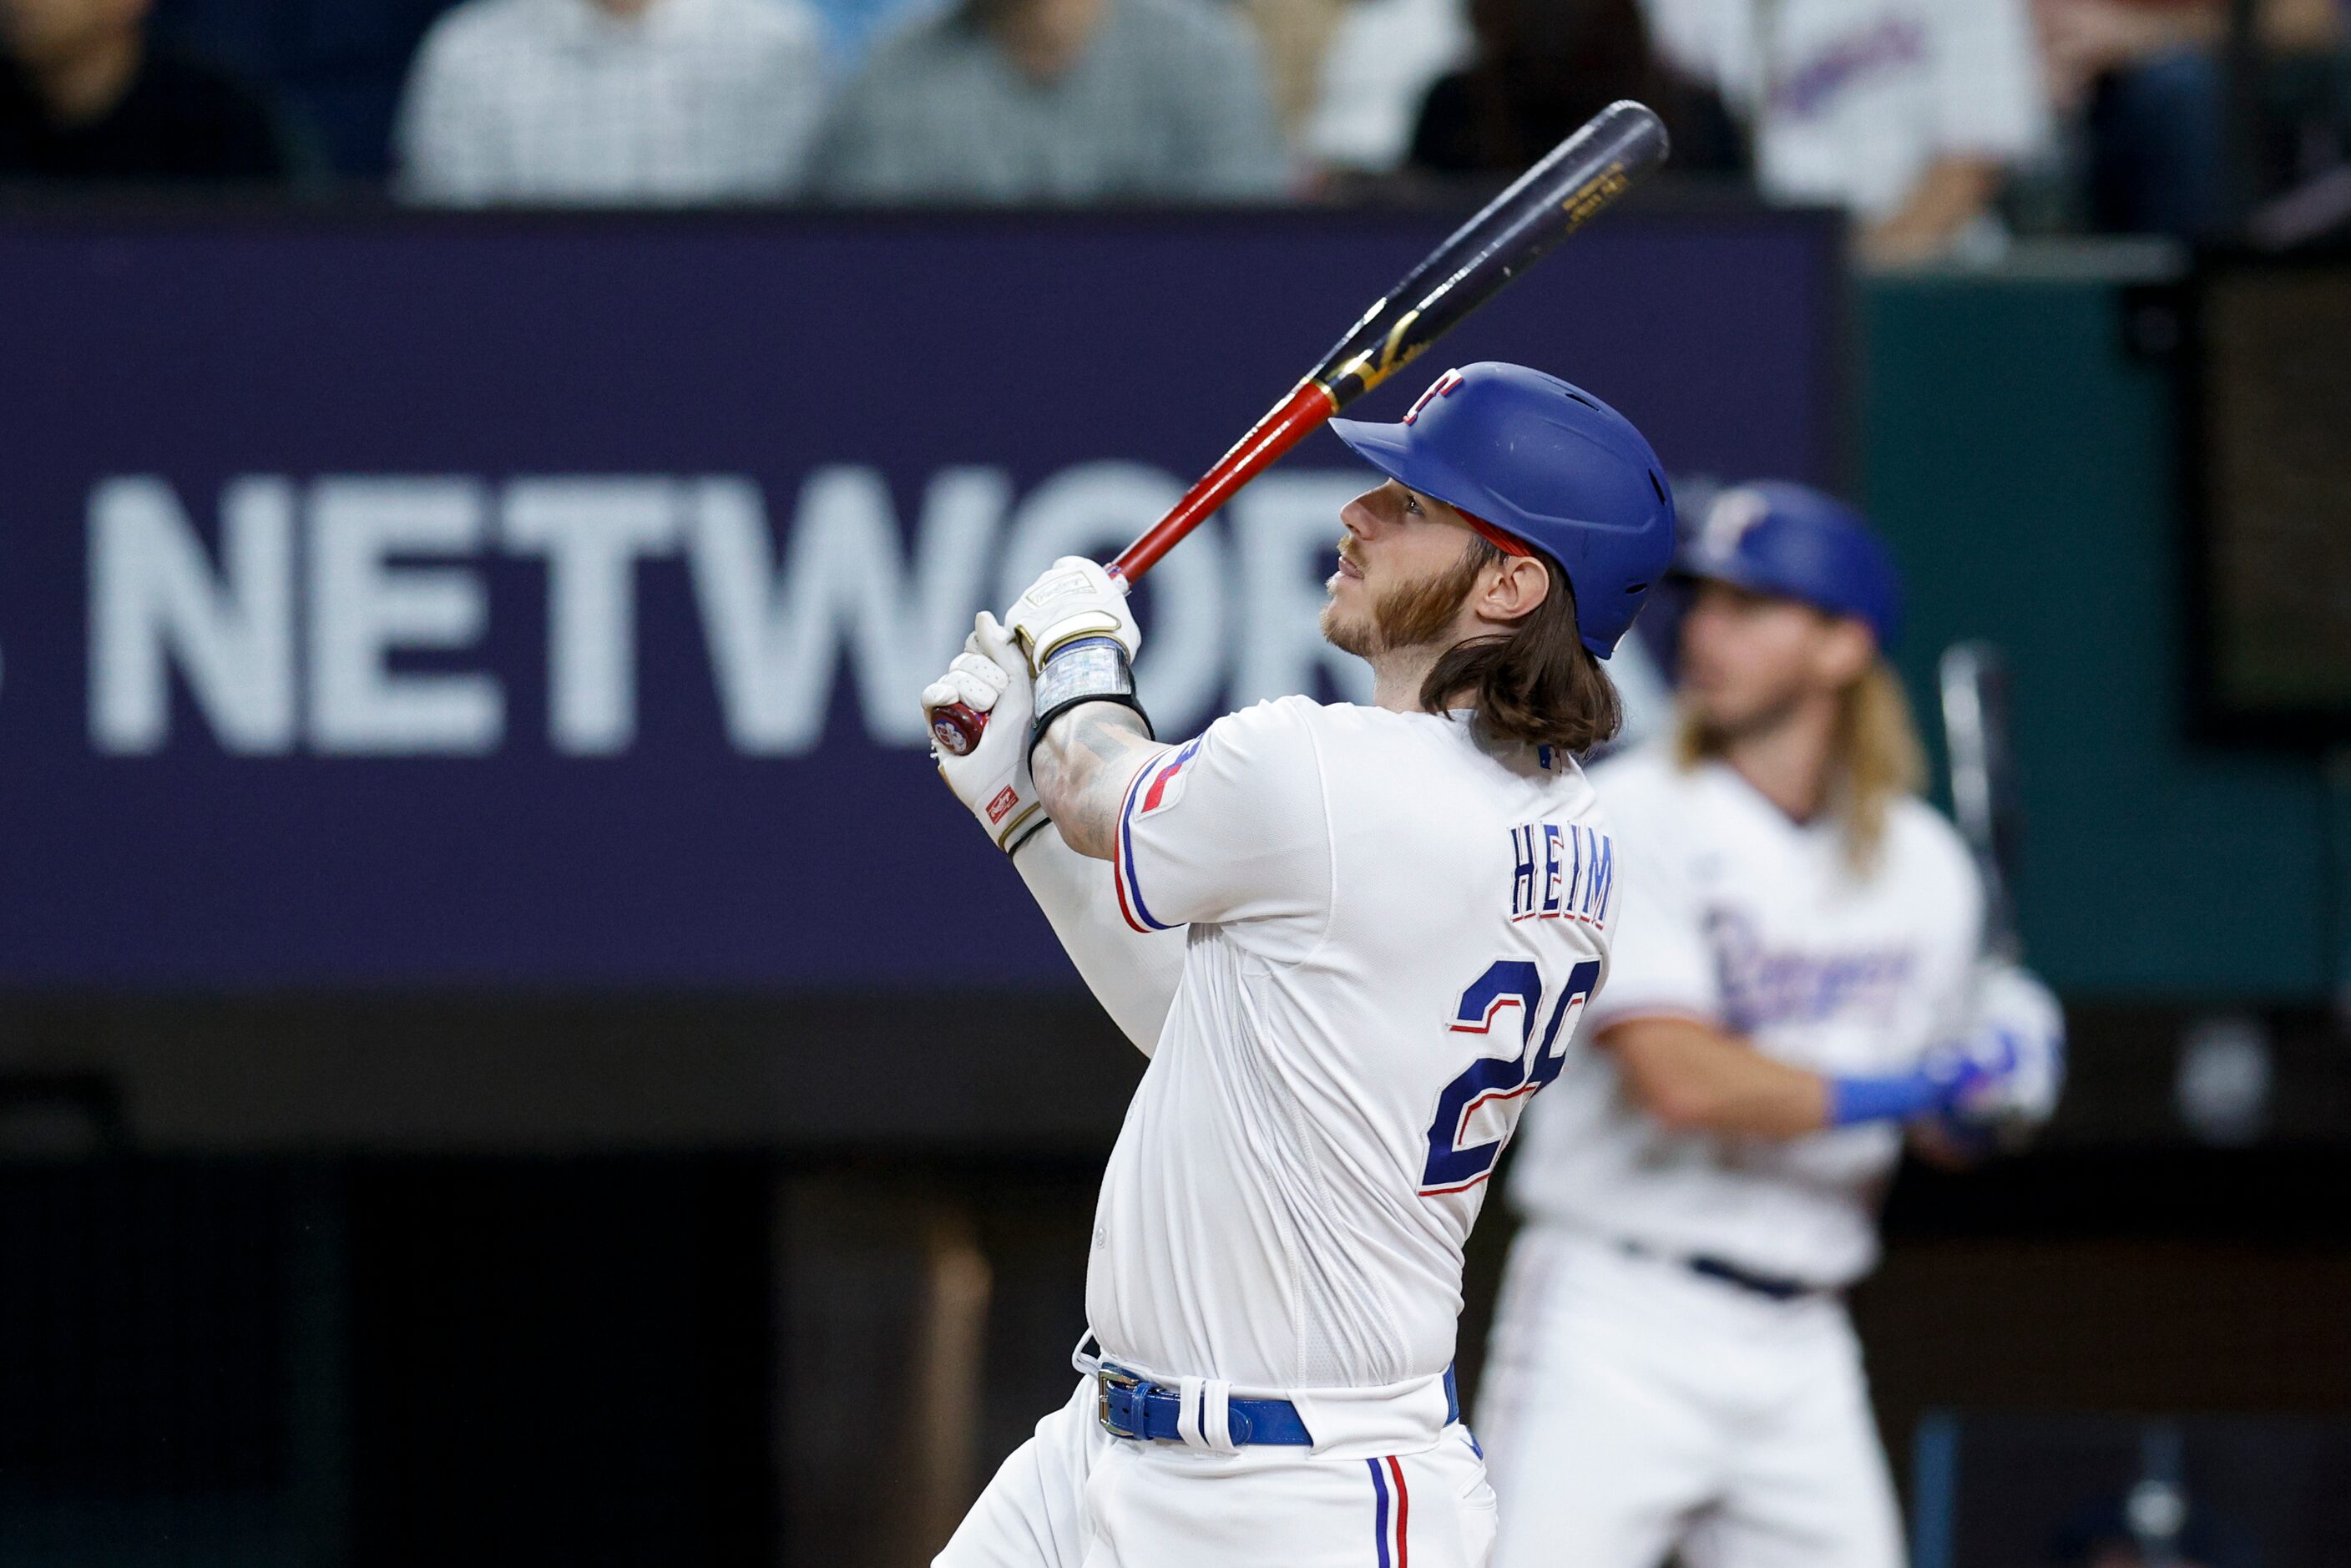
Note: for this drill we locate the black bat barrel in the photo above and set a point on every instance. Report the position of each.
(1551, 200)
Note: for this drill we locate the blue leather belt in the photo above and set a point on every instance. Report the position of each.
(1134, 1406)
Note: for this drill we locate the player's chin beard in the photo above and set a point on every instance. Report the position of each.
(1715, 732)
(1408, 615)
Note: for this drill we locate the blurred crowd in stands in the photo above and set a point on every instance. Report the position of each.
(1944, 126)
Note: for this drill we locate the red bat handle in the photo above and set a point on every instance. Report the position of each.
(1308, 405)
(958, 727)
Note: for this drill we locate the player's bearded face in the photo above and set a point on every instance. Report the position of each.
(1400, 584)
(1749, 660)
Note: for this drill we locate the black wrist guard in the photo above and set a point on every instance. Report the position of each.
(1084, 669)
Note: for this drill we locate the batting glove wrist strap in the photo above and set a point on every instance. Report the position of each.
(1086, 670)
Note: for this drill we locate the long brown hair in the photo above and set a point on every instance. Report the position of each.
(1876, 755)
(1536, 683)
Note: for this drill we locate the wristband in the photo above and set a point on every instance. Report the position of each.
(1027, 833)
(1084, 669)
(1894, 1098)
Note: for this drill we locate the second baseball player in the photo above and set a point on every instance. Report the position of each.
(1796, 986)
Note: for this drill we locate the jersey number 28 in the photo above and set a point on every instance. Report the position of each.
(1504, 1082)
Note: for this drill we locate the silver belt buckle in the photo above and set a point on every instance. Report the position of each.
(1109, 1379)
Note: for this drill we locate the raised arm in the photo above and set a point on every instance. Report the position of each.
(1084, 765)
(1093, 740)
(1133, 973)
(1232, 826)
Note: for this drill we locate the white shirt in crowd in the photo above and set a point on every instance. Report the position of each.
(1393, 923)
(1850, 102)
(563, 102)
(1738, 916)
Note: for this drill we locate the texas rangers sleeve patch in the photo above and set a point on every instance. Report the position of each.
(1163, 786)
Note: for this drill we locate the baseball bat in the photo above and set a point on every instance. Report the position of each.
(1551, 200)
(1974, 681)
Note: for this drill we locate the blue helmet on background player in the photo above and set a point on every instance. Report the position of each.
(1794, 542)
(1544, 464)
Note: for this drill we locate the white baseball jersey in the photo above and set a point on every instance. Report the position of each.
(1741, 917)
(1851, 100)
(1394, 923)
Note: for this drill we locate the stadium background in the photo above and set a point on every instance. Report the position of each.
(593, 1134)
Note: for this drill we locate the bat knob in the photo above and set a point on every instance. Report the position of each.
(957, 728)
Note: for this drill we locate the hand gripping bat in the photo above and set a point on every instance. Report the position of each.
(1551, 200)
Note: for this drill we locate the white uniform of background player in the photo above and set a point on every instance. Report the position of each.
(1353, 940)
(1672, 1365)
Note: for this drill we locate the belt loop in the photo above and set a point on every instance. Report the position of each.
(1084, 1365)
(1216, 1417)
(1204, 1415)
(1188, 1400)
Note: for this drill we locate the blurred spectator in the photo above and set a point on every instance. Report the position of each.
(1058, 101)
(611, 101)
(854, 28)
(2146, 77)
(1909, 113)
(1545, 66)
(1384, 57)
(1295, 37)
(2085, 39)
(85, 94)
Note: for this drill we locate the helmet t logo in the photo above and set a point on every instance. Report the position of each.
(1441, 387)
(1735, 512)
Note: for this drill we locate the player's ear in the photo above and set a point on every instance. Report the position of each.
(1519, 585)
(1849, 648)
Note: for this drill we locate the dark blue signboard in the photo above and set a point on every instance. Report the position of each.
(539, 604)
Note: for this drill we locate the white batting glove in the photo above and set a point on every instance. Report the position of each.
(2018, 1039)
(1075, 598)
(991, 677)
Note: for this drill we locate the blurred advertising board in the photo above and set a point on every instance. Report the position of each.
(534, 602)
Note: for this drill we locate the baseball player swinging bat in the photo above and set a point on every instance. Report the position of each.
(1551, 200)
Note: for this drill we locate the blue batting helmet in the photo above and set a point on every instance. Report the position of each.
(1786, 539)
(1543, 464)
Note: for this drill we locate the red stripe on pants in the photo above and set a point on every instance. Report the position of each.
(1404, 1513)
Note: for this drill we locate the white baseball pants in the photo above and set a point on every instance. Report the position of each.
(1075, 1497)
(1632, 1408)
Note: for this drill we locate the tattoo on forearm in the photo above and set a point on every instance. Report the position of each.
(1082, 768)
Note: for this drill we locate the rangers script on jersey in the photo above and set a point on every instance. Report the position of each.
(1747, 920)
